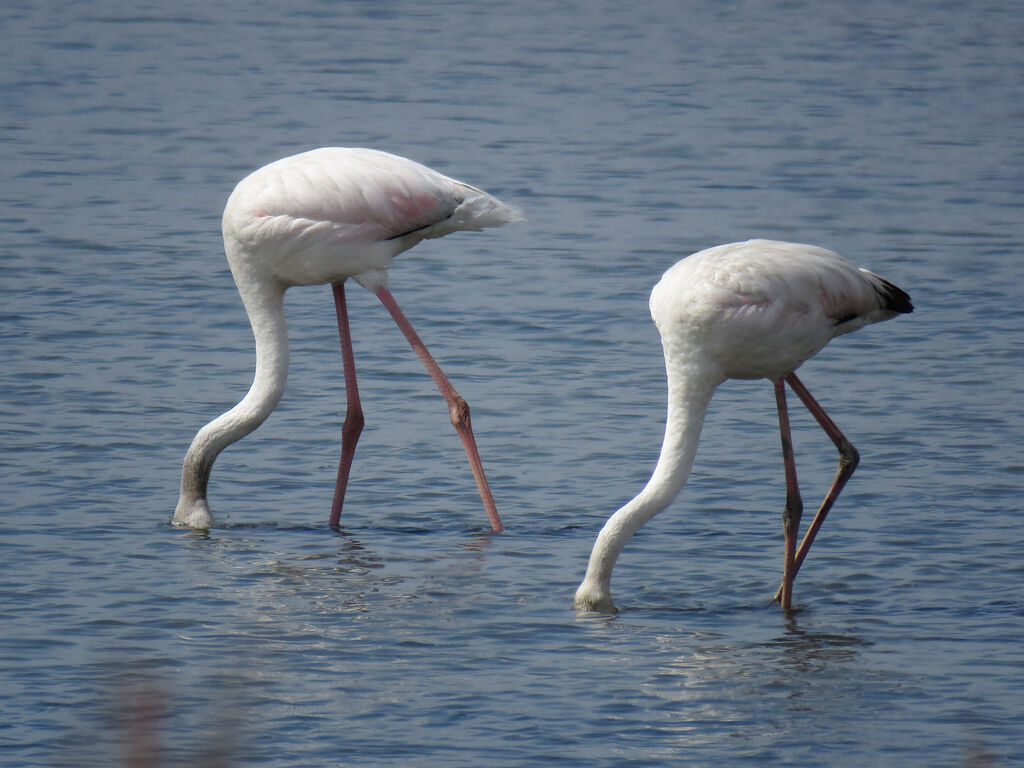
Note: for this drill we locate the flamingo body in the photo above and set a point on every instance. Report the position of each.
(336, 212)
(756, 309)
(324, 216)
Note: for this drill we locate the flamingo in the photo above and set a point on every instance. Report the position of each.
(751, 310)
(324, 216)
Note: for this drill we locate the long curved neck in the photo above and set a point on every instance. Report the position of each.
(264, 303)
(689, 392)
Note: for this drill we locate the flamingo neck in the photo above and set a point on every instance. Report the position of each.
(689, 392)
(264, 303)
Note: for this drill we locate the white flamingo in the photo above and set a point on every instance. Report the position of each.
(748, 310)
(324, 216)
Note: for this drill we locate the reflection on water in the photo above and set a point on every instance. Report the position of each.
(809, 651)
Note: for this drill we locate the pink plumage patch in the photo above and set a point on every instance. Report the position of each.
(416, 209)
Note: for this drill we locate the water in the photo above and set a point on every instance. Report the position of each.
(630, 136)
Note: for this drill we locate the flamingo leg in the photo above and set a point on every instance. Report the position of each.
(458, 409)
(848, 460)
(793, 510)
(353, 425)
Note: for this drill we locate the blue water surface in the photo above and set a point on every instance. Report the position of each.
(630, 135)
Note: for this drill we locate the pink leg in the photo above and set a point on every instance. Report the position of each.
(354, 414)
(794, 505)
(457, 407)
(848, 460)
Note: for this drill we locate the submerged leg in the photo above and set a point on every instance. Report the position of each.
(354, 413)
(848, 460)
(794, 505)
(457, 407)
